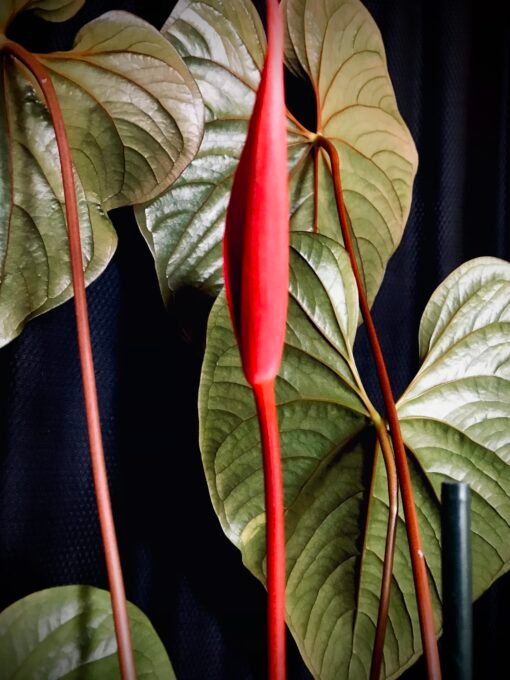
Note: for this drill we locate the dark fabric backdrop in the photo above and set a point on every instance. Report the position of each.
(450, 64)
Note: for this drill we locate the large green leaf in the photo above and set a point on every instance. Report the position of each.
(337, 45)
(456, 422)
(456, 413)
(328, 454)
(68, 632)
(223, 45)
(134, 119)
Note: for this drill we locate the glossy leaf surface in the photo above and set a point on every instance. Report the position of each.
(133, 116)
(455, 415)
(337, 45)
(322, 427)
(68, 632)
(223, 45)
(455, 420)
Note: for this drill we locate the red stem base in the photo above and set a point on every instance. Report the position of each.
(275, 529)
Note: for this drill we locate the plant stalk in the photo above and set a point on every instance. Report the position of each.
(419, 566)
(275, 527)
(389, 548)
(316, 160)
(113, 565)
(391, 530)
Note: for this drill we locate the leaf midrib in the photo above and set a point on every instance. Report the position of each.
(10, 165)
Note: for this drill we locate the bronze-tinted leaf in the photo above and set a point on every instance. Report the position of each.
(223, 45)
(456, 423)
(134, 119)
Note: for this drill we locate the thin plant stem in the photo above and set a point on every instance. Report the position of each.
(316, 161)
(113, 565)
(391, 528)
(419, 566)
(389, 548)
(275, 529)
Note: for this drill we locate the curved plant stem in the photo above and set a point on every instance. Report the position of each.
(419, 566)
(391, 529)
(275, 530)
(112, 558)
(389, 549)
(316, 160)
(302, 129)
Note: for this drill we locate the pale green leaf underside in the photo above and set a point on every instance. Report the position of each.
(133, 112)
(327, 454)
(51, 10)
(67, 633)
(456, 413)
(134, 119)
(337, 45)
(335, 526)
(223, 45)
(33, 236)
(456, 426)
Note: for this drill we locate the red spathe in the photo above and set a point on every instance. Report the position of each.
(256, 244)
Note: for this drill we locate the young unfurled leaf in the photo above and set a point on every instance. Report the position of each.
(455, 419)
(134, 119)
(223, 44)
(68, 632)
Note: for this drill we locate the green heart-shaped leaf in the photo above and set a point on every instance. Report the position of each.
(456, 423)
(337, 45)
(134, 119)
(223, 45)
(328, 453)
(68, 632)
(455, 415)
(51, 10)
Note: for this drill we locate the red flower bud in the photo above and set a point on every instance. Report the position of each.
(256, 269)
(256, 243)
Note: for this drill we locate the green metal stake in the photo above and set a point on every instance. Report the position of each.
(457, 581)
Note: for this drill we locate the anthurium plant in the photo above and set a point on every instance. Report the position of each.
(333, 502)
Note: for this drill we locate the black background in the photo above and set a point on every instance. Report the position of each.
(450, 65)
